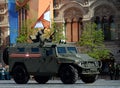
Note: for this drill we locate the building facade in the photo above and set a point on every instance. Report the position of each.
(28, 9)
(74, 14)
(4, 25)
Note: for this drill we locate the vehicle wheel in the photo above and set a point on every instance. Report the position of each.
(20, 75)
(88, 78)
(41, 79)
(68, 74)
(5, 56)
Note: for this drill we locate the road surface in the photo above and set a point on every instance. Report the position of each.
(100, 83)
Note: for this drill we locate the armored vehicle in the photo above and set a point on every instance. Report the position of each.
(49, 60)
(62, 60)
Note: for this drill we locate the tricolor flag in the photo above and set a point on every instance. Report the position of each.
(44, 14)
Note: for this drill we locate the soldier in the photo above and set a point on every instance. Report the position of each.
(3, 74)
(111, 71)
(117, 72)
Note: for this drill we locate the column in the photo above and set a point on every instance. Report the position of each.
(75, 30)
(68, 31)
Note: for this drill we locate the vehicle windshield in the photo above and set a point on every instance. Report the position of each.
(72, 49)
(61, 50)
(65, 50)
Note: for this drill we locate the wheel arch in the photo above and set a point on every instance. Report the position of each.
(79, 69)
(19, 73)
(16, 64)
(6, 56)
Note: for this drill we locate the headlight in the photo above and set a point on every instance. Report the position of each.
(83, 64)
(96, 63)
(76, 61)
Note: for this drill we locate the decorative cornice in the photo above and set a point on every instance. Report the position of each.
(4, 12)
(22, 4)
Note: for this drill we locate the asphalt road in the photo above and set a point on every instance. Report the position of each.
(101, 83)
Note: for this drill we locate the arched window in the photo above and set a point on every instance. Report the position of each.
(73, 24)
(106, 28)
(22, 16)
(107, 24)
(112, 27)
(98, 22)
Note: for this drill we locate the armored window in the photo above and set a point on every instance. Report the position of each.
(61, 50)
(35, 50)
(72, 49)
(21, 49)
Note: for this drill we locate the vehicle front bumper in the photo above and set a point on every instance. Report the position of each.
(90, 71)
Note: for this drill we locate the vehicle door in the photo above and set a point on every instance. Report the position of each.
(49, 60)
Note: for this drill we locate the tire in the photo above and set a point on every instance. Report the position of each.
(68, 74)
(20, 74)
(41, 79)
(88, 78)
(5, 56)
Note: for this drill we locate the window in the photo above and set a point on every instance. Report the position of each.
(72, 49)
(61, 50)
(35, 50)
(21, 49)
(22, 16)
(107, 24)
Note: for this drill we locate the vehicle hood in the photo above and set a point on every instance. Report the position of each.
(85, 57)
(76, 57)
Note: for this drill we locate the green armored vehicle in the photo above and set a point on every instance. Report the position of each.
(60, 60)
(50, 60)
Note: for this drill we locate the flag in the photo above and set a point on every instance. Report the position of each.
(13, 21)
(43, 20)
